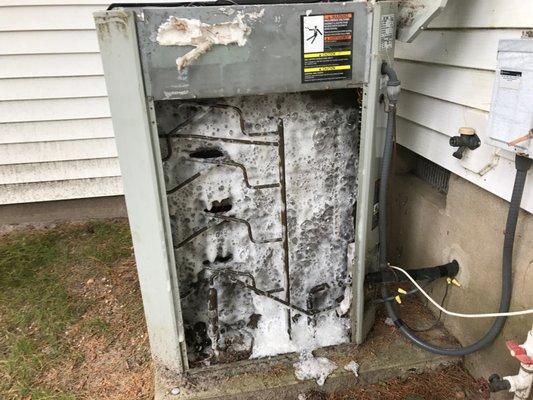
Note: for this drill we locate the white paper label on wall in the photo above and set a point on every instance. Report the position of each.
(386, 32)
(510, 79)
(511, 114)
(313, 27)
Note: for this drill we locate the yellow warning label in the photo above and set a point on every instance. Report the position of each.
(328, 68)
(328, 54)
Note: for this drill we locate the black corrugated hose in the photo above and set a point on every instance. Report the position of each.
(522, 163)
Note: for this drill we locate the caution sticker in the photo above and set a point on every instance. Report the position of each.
(327, 46)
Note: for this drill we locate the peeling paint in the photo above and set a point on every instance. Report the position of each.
(192, 32)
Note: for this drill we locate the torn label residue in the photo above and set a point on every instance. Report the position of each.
(311, 367)
(192, 32)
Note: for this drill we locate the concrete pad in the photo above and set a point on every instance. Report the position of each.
(384, 355)
(20, 216)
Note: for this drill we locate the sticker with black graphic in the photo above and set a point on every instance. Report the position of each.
(327, 45)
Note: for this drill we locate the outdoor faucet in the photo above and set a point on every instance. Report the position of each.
(519, 384)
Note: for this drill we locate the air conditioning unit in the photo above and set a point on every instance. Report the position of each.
(249, 138)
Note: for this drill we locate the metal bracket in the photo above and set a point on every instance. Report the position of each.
(415, 16)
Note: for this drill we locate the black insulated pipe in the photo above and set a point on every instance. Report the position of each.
(523, 164)
(450, 270)
(386, 69)
(497, 384)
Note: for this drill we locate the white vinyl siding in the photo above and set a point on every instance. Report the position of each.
(56, 136)
(447, 75)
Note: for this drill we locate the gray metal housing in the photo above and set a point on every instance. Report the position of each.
(268, 63)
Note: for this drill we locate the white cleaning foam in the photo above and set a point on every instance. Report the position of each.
(311, 367)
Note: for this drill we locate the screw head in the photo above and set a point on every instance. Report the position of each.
(175, 391)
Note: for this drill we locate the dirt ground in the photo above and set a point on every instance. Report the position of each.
(447, 384)
(71, 321)
(72, 326)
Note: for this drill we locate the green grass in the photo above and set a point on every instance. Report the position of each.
(38, 270)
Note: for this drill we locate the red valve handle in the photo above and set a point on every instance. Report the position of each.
(519, 353)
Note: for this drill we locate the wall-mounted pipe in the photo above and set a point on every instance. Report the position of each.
(448, 270)
(522, 166)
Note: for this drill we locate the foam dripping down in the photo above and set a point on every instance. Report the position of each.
(311, 367)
